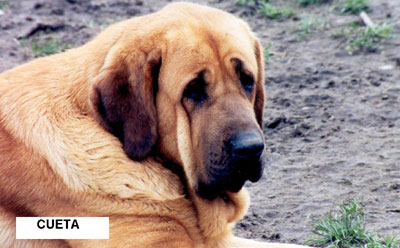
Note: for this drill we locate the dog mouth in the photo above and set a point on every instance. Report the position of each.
(230, 179)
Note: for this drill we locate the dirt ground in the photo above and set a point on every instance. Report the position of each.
(332, 119)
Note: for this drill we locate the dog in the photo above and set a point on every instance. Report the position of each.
(156, 123)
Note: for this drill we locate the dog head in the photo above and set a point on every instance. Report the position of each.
(187, 82)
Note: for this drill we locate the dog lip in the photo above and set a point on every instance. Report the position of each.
(255, 177)
(205, 191)
(255, 173)
(211, 191)
(231, 178)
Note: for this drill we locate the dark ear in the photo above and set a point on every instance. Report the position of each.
(260, 95)
(123, 100)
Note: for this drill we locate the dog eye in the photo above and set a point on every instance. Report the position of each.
(247, 81)
(245, 78)
(196, 90)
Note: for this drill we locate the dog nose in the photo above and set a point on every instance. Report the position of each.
(248, 144)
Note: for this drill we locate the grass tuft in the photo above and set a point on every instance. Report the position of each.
(275, 12)
(354, 6)
(51, 46)
(266, 9)
(3, 4)
(305, 3)
(370, 39)
(255, 2)
(359, 38)
(44, 47)
(310, 24)
(346, 228)
(267, 54)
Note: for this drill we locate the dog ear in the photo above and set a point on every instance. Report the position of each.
(123, 100)
(260, 95)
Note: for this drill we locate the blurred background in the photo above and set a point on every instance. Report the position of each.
(332, 117)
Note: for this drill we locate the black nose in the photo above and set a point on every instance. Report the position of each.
(247, 144)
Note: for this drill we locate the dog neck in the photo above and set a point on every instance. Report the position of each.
(215, 218)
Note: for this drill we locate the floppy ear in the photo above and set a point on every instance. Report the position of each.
(260, 95)
(123, 100)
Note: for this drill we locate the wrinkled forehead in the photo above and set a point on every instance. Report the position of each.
(195, 47)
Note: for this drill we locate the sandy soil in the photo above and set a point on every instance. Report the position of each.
(332, 120)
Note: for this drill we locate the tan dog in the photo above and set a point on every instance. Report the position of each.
(153, 109)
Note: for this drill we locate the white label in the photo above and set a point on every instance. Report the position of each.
(62, 228)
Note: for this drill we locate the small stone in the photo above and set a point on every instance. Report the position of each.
(312, 70)
(345, 181)
(58, 11)
(331, 84)
(297, 133)
(275, 236)
(376, 83)
(305, 126)
(395, 186)
(38, 5)
(275, 123)
(386, 67)
(397, 60)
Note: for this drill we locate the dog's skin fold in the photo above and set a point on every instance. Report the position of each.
(80, 131)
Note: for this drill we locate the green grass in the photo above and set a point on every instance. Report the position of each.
(346, 228)
(306, 26)
(3, 4)
(367, 39)
(265, 8)
(370, 39)
(354, 6)
(310, 24)
(267, 54)
(275, 12)
(247, 2)
(44, 47)
(305, 3)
